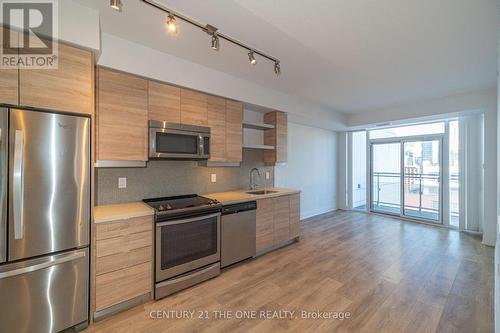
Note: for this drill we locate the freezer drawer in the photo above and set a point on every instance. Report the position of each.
(46, 294)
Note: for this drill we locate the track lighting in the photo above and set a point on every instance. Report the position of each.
(116, 5)
(212, 31)
(172, 23)
(215, 42)
(251, 58)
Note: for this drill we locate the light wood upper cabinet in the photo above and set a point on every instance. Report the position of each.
(122, 116)
(69, 88)
(294, 215)
(164, 102)
(276, 137)
(217, 124)
(264, 224)
(234, 131)
(194, 108)
(9, 79)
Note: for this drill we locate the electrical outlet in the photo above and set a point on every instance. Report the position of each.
(122, 182)
(213, 177)
(268, 175)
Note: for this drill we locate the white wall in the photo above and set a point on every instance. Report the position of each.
(311, 167)
(451, 105)
(358, 169)
(342, 171)
(130, 57)
(77, 25)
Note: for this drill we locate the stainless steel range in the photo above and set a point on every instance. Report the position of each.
(187, 237)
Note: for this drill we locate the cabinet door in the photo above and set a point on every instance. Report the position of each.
(121, 116)
(294, 215)
(69, 88)
(122, 285)
(217, 124)
(9, 78)
(164, 102)
(193, 108)
(281, 219)
(234, 131)
(264, 224)
(276, 137)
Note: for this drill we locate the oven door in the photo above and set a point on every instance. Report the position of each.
(171, 143)
(187, 244)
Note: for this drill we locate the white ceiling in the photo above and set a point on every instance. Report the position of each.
(349, 55)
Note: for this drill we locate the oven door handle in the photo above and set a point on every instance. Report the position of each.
(201, 148)
(198, 218)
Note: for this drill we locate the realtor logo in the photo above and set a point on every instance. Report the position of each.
(29, 34)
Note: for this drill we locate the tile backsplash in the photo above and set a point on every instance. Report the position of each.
(167, 178)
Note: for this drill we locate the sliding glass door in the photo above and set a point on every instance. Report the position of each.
(406, 177)
(386, 177)
(422, 179)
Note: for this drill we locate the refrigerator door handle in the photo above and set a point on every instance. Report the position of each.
(18, 186)
(36, 267)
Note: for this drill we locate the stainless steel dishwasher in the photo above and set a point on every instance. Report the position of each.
(238, 232)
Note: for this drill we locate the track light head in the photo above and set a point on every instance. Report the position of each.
(116, 5)
(215, 42)
(172, 23)
(251, 58)
(277, 67)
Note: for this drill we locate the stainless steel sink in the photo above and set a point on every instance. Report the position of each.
(261, 192)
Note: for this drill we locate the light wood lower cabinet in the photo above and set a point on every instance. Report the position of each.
(125, 284)
(277, 220)
(281, 217)
(264, 224)
(294, 215)
(123, 260)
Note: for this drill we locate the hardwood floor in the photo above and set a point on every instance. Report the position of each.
(390, 276)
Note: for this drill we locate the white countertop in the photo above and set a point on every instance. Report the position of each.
(107, 213)
(239, 196)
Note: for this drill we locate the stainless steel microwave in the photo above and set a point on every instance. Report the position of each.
(176, 141)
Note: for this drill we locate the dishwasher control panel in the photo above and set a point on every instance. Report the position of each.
(239, 207)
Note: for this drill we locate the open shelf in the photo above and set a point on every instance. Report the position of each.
(262, 147)
(257, 126)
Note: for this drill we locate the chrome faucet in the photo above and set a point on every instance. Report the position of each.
(253, 184)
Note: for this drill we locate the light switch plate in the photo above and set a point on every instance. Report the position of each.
(122, 182)
(268, 175)
(213, 177)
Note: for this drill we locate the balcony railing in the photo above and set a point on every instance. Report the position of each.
(424, 185)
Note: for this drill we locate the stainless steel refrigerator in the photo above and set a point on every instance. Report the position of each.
(44, 220)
